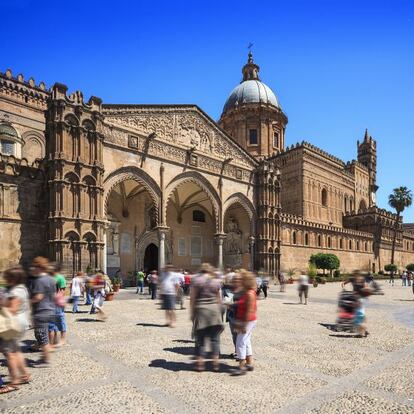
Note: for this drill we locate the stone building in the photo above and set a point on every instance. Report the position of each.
(119, 186)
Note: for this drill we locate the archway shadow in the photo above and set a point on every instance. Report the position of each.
(152, 325)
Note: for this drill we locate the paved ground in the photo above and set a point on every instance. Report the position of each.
(132, 364)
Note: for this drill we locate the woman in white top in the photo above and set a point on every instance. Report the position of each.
(16, 300)
(303, 287)
(76, 290)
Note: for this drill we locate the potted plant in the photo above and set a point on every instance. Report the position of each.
(291, 273)
(109, 296)
(116, 284)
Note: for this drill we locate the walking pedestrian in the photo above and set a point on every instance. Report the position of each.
(99, 285)
(259, 283)
(409, 278)
(169, 287)
(59, 324)
(154, 284)
(88, 289)
(76, 290)
(303, 288)
(404, 278)
(43, 302)
(246, 321)
(265, 285)
(282, 281)
(140, 282)
(16, 301)
(205, 303)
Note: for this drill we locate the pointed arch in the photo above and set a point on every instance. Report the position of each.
(202, 182)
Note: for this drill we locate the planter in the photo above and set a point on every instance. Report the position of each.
(116, 288)
(315, 284)
(110, 296)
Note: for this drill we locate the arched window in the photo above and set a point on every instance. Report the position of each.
(350, 245)
(362, 206)
(329, 242)
(324, 197)
(319, 240)
(357, 245)
(8, 139)
(366, 246)
(341, 244)
(294, 238)
(199, 215)
(306, 239)
(345, 204)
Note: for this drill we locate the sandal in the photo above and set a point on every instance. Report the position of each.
(8, 388)
(25, 379)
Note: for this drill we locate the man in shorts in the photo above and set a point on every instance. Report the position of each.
(43, 302)
(59, 324)
(169, 287)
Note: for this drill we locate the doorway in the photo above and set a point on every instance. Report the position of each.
(151, 258)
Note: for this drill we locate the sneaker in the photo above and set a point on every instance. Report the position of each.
(250, 367)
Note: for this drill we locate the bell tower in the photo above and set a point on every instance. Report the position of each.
(367, 155)
(252, 115)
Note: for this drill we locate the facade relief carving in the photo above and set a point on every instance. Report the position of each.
(233, 243)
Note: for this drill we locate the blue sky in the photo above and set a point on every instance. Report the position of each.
(337, 67)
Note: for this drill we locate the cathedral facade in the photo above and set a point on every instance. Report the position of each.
(119, 186)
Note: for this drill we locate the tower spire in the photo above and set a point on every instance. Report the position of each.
(250, 69)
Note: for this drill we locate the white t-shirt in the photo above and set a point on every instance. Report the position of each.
(76, 289)
(168, 283)
(303, 280)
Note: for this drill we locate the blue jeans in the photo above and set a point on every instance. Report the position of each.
(88, 297)
(75, 304)
(140, 287)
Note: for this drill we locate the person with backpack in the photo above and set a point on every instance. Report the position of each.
(140, 282)
(16, 301)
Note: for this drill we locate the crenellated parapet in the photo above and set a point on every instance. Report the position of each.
(16, 88)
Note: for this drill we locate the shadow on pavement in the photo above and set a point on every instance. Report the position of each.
(184, 341)
(291, 303)
(349, 336)
(182, 350)
(183, 366)
(88, 320)
(330, 326)
(152, 325)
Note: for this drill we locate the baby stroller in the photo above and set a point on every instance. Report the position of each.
(347, 305)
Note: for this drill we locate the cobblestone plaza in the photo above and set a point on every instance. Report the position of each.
(132, 363)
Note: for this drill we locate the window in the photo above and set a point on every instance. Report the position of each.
(7, 147)
(341, 244)
(181, 246)
(199, 216)
(324, 197)
(276, 140)
(306, 239)
(329, 242)
(252, 136)
(357, 245)
(196, 250)
(319, 240)
(350, 244)
(294, 239)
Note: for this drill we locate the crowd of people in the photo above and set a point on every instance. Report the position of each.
(36, 299)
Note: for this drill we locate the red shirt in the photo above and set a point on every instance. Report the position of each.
(187, 279)
(242, 307)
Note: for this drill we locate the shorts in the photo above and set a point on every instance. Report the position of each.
(304, 290)
(168, 302)
(59, 324)
(41, 329)
(11, 345)
(359, 316)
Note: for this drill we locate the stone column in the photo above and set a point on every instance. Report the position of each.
(251, 250)
(219, 240)
(162, 234)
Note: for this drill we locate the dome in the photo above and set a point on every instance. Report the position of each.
(251, 91)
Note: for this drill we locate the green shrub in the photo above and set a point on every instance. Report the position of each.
(325, 261)
(410, 267)
(390, 268)
(337, 273)
(381, 273)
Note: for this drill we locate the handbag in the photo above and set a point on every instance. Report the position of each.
(9, 325)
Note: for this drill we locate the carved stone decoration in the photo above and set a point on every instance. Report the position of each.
(233, 243)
